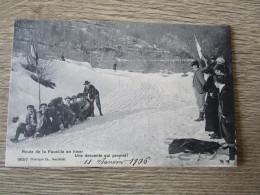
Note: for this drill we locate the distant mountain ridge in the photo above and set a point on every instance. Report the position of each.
(133, 46)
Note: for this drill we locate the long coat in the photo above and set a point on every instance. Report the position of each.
(198, 81)
(211, 106)
(226, 101)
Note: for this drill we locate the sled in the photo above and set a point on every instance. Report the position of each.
(187, 156)
(193, 146)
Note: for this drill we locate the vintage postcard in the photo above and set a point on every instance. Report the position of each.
(110, 94)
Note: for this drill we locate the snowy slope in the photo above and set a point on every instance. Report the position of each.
(140, 111)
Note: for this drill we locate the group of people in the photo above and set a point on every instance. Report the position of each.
(58, 114)
(213, 86)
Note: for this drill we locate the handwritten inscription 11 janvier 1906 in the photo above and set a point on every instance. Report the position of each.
(101, 159)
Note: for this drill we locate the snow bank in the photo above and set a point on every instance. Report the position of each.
(140, 110)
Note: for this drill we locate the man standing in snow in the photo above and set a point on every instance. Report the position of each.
(28, 128)
(220, 69)
(198, 83)
(93, 95)
(226, 102)
(211, 103)
(114, 66)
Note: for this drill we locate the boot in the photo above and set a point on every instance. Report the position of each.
(14, 140)
(18, 132)
(232, 151)
(99, 108)
(201, 117)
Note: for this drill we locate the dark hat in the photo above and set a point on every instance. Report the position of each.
(56, 101)
(51, 104)
(80, 95)
(219, 79)
(194, 63)
(67, 98)
(30, 106)
(208, 69)
(220, 67)
(86, 83)
(73, 97)
(43, 104)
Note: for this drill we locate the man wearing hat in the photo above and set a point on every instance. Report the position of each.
(220, 69)
(198, 83)
(93, 95)
(28, 128)
(226, 102)
(67, 100)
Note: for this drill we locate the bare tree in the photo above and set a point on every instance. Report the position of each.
(45, 70)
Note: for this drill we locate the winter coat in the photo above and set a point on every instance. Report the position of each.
(226, 102)
(114, 66)
(211, 106)
(92, 91)
(31, 119)
(75, 107)
(84, 104)
(66, 114)
(228, 80)
(52, 114)
(198, 81)
(44, 123)
(84, 108)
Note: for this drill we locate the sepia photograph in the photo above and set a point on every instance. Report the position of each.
(114, 94)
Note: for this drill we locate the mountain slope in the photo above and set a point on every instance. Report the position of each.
(140, 111)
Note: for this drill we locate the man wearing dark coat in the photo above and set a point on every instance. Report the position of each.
(52, 114)
(64, 112)
(44, 126)
(220, 69)
(211, 103)
(84, 106)
(226, 102)
(28, 128)
(198, 83)
(114, 66)
(75, 107)
(93, 94)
